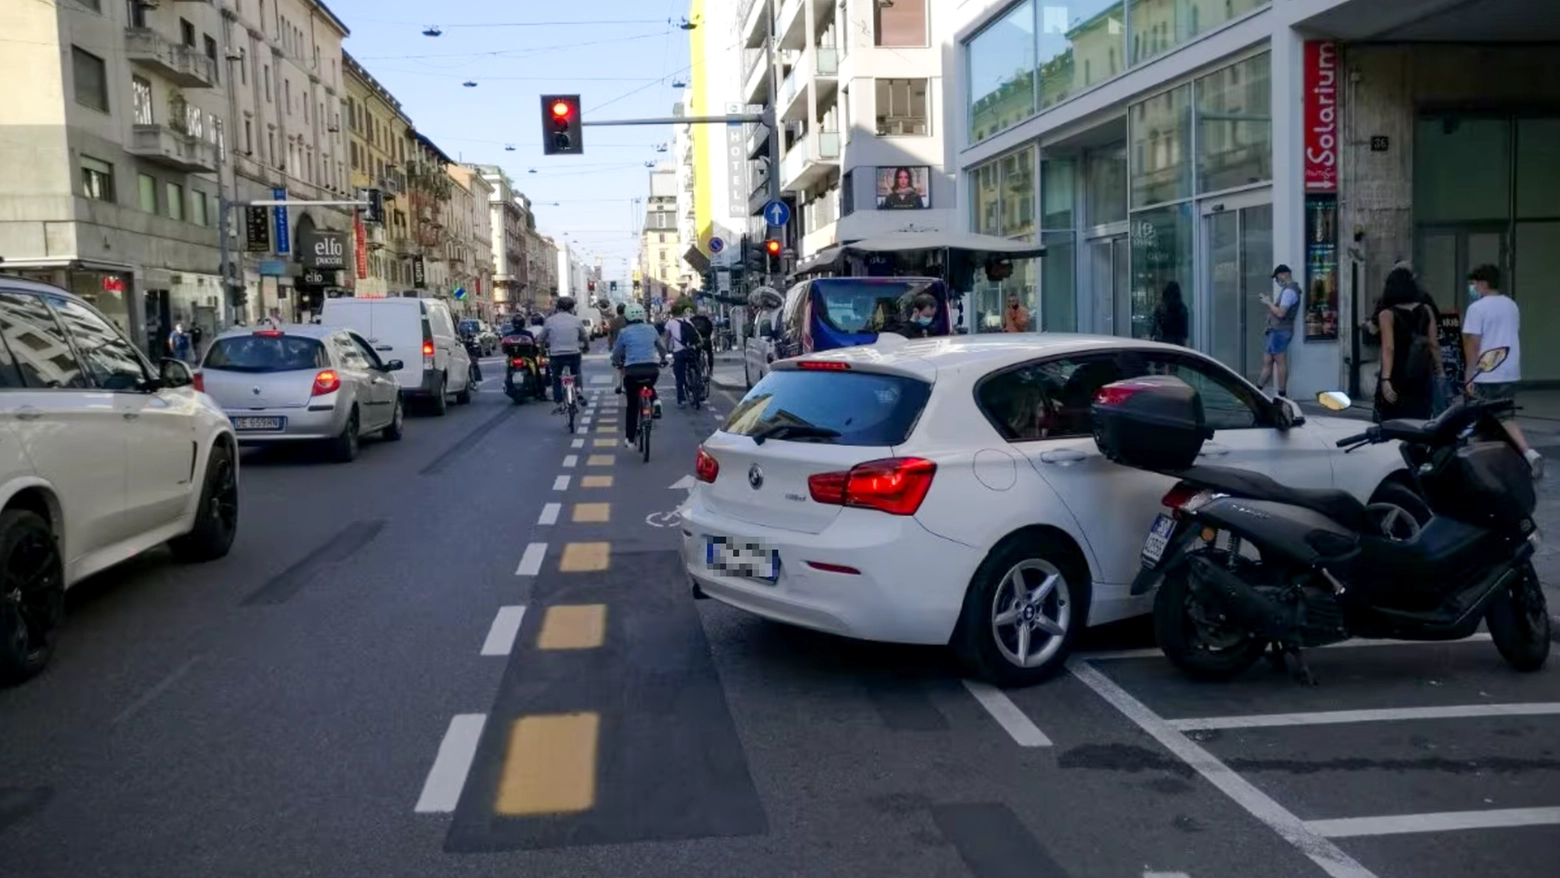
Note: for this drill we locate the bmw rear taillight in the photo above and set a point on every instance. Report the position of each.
(199, 381)
(327, 381)
(895, 485)
(705, 467)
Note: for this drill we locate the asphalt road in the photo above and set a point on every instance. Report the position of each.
(473, 653)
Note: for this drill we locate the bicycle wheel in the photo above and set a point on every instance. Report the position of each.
(644, 440)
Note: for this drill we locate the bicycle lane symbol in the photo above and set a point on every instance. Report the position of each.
(672, 518)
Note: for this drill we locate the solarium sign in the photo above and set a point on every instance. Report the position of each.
(1321, 116)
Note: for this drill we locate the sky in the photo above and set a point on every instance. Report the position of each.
(621, 56)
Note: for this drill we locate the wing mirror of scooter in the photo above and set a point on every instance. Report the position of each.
(1491, 359)
(1334, 400)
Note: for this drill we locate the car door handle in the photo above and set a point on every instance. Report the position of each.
(130, 416)
(1213, 451)
(1062, 455)
(384, 347)
(28, 413)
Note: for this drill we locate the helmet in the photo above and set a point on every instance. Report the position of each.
(565, 303)
(538, 320)
(517, 322)
(633, 312)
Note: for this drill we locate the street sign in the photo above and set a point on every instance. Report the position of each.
(283, 234)
(717, 245)
(460, 292)
(776, 213)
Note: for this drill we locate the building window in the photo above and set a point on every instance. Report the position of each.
(902, 23)
(848, 192)
(97, 179)
(1000, 64)
(202, 214)
(1002, 203)
(146, 192)
(249, 137)
(91, 79)
(1235, 126)
(267, 69)
(1160, 134)
(91, 4)
(211, 52)
(243, 66)
(287, 93)
(901, 107)
(175, 197)
(1081, 45)
(186, 32)
(1158, 26)
(141, 95)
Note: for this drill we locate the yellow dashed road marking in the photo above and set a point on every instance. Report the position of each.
(585, 557)
(600, 460)
(606, 429)
(550, 767)
(604, 443)
(596, 482)
(592, 513)
(573, 626)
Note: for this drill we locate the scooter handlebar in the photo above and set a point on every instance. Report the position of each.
(1371, 435)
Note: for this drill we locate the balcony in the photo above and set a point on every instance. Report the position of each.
(376, 237)
(755, 81)
(183, 65)
(792, 105)
(753, 15)
(172, 149)
(758, 140)
(794, 164)
(392, 183)
(810, 160)
(791, 25)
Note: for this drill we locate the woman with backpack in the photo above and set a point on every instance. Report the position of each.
(1410, 354)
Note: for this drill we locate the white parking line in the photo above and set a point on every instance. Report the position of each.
(1329, 717)
(1166, 875)
(549, 514)
(570, 461)
(577, 443)
(1292, 829)
(561, 483)
(1155, 652)
(1400, 824)
(441, 791)
(506, 627)
(1008, 716)
(531, 561)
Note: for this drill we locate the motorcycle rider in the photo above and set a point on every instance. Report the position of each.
(566, 338)
(639, 353)
(513, 344)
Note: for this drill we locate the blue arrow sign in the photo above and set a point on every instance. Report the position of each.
(717, 245)
(460, 292)
(776, 213)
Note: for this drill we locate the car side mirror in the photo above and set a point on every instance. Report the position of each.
(394, 366)
(1288, 413)
(174, 373)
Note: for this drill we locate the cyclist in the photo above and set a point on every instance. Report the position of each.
(706, 327)
(686, 349)
(566, 339)
(640, 354)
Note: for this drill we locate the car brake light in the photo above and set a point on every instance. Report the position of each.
(269, 333)
(427, 348)
(327, 381)
(1186, 498)
(823, 366)
(705, 467)
(895, 485)
(199, 381)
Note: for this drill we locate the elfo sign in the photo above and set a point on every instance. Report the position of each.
(1321, 116)
(322, 248)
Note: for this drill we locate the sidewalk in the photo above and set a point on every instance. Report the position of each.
(728, 371)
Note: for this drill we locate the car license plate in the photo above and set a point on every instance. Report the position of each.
(259, 423)
(749, 560)
(1158, 540)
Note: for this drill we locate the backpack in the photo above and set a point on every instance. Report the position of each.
(1416, 362)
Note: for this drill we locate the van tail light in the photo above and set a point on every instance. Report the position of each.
(895, 485)
(327, 381)
(199, 381)
(1186, 498)
(705, 467)
(427, 348)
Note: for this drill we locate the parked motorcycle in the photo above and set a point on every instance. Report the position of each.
(1244, 563)
(522, 369)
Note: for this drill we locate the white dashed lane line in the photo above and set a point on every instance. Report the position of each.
(549, 514)
(531, 561)
(506, 627)
(441, 791)
(561, 483)
(577, 443)
(571, 461)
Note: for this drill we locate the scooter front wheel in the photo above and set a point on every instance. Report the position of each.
(1191, 641)
(1518, 619)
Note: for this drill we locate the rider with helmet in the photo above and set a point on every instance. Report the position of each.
(519, 347)
(566, 340)
(638, 352)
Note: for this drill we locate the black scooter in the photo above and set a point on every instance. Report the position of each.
(522, 369)
(1244, 563)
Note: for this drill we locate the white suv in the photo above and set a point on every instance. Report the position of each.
(102, 456)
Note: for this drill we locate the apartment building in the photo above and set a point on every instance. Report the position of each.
(379, 135)
(469, 251)
(857, 89)
(661, 246)
(506, 219)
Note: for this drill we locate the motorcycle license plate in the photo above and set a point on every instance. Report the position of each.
(1158, 540)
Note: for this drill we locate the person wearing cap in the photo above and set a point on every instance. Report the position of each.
(1280, 329)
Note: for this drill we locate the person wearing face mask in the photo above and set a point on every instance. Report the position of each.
(1493, 321)
(1280, 330)
(922, 320)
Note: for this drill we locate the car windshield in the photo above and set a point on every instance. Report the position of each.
(470, 327)
(856, 306)
(266, 353)
(861, 407)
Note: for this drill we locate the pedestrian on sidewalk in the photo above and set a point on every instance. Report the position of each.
(179, 343)
(1494, 321)
(1280, 330)
(1016, 317)
(1171, 323)
(1410, 359)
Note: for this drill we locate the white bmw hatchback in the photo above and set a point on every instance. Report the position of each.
(910, 491)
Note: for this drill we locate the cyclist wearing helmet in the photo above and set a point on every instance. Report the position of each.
(640, 354)
(566, 339)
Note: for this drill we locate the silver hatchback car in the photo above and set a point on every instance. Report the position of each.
(302, 383)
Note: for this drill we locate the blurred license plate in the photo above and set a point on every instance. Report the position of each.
(1158, 540)
(258, 423)
(750, 560)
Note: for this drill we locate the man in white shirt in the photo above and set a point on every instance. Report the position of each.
(1493, 321)
(682, 337)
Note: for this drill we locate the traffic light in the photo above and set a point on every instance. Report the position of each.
(772, 253)
(561, 125)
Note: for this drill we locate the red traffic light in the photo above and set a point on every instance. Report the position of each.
(561, 109)
(772, 247)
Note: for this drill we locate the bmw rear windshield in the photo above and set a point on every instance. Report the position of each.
(837, 408)
(266, 353)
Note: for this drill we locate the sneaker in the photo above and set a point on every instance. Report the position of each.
(1536, 463)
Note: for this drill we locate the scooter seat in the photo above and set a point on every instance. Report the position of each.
(1340, 506)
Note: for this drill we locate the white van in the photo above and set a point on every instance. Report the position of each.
(412, 330)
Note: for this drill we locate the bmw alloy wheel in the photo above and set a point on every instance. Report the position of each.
(1031, 612)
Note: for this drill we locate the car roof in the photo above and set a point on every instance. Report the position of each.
(305, 330)
(984, 353)
(16, 283)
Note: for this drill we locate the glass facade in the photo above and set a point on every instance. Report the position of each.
(1039, 53)
(1161, 137)
(1059, 270)
(1235, 126)
(1161, 254)
(1004, 193)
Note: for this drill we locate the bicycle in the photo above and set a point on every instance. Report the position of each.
(646, 418)
(571, 402)
(697, 388)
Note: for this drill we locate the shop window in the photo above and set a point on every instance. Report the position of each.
(175, 199)
(110, 360)
(1001, 69)
(146, 192)
(1105, 184)
(141, 98)
(91, 79)
(97, 179)
(35, 338)
(901, 107)
(902, 23)
(1018, 194)
(1235, 126)
(1058, 291)
(1159, 131)
(1538, 168)
(1161, 253)
(1081, 45)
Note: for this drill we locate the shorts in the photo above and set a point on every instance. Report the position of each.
(1278, 341)
(1490, 391)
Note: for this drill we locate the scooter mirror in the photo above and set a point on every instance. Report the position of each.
(1491, 359)
(1334, 400)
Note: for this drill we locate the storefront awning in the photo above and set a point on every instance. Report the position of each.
(983, 245)
(68, 262)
